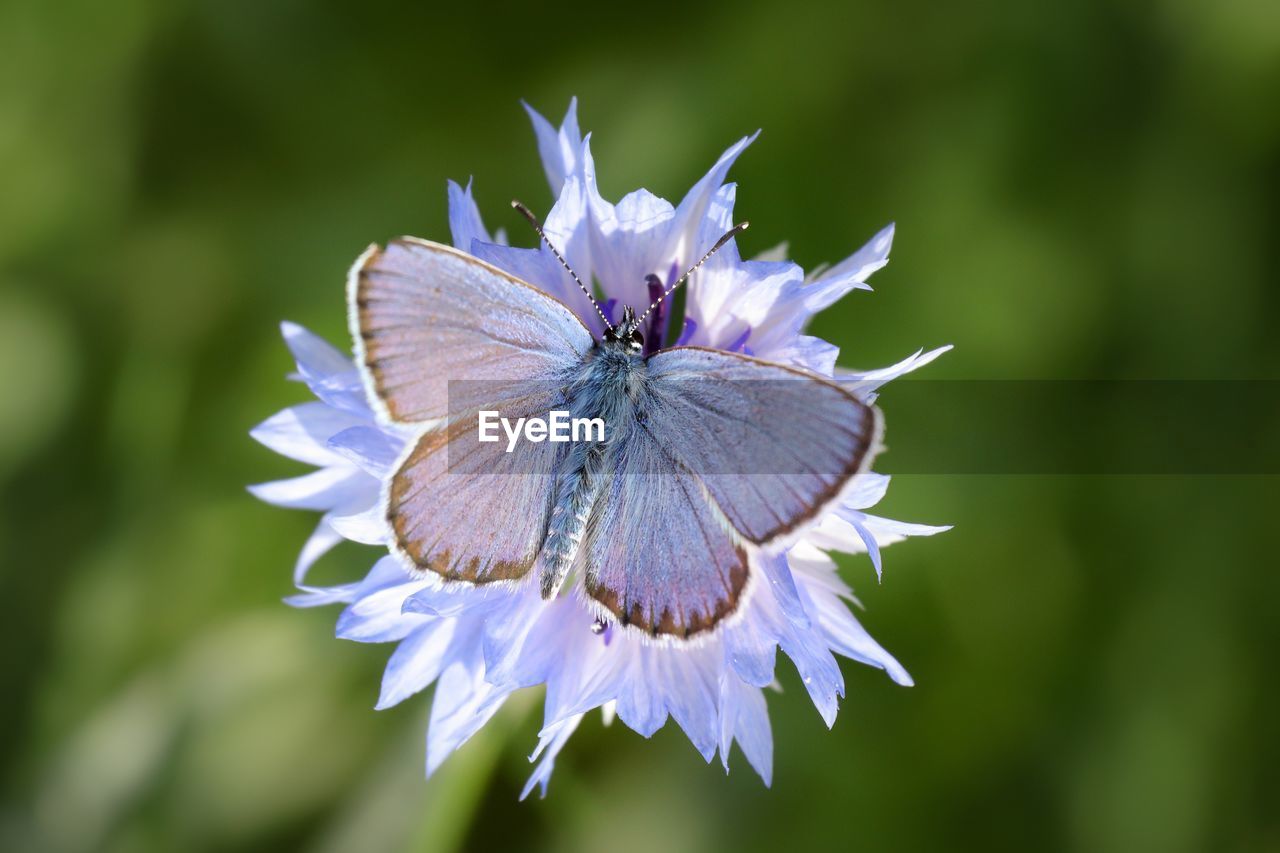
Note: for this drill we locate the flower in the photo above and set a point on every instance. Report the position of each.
(479, 644)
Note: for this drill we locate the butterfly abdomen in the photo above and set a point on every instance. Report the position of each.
(576, 494)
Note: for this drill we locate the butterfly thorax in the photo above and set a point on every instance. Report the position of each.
(609, 385)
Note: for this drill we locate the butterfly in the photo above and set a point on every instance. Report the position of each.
(710, 458)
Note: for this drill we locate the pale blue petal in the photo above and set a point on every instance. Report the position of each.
(866, 383)
(640, 703)
(729, 687)
(849, 638)
(416, 662)
(774, 253)
(784, 587)
(686, 224)
(558, 147)
(691, 685)
(584, 688)
(550, 742)
(884, 527)
(839, 531)
(437, 597)
(804, 351)
(851, 273)
(868, 490)
(872, 256)
(629, 240)
(818, 669)
(814, 569)
(329, 374)
(835, 532)
(316, 358)
(370, 448)
(464, 218)
(463, 703)
(872, 548)
(745, 718)
(759, 296)
(754, 735)
(570, 131)
(506, 629)
(582, 670)
(376, 617)
(323, 596)
(368, 527)
(532, 266)
(322, 541)
(343, 391)
(751, 652)
(819, 672)
(320, 490)
(717, 220)
(386, 572)
(568, 226)
(301, 432)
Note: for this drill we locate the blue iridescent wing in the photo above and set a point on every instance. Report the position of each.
(773, 445)
(656, 554)
(469, 510)
(425, 314)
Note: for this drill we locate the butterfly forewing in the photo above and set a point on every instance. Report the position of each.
(773, 445)
(426, 315)
(443, 335)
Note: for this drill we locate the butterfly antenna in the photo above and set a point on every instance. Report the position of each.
(537, 226)
(729, 235)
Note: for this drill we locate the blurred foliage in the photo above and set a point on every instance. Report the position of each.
(1086, 189)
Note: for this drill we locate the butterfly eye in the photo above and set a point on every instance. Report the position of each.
(637, 339)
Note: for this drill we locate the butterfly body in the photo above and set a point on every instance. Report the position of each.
(610, 384)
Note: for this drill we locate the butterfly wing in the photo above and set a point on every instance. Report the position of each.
(425, 314)
(724, 448)
(469, 510)
(773, 445)
(656, 554)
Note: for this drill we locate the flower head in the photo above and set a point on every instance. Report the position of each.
(479, 644)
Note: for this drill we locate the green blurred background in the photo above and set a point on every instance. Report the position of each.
(1084, 189)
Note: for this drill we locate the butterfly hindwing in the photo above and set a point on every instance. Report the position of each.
(469, 510)
(656, 554)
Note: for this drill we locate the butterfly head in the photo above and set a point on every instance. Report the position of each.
(626, 334)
